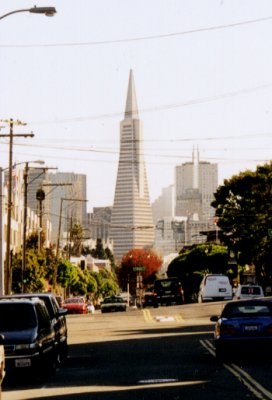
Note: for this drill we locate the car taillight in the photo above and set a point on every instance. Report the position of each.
(268, 329)
(226, 330)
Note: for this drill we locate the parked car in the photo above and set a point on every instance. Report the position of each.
(248, 292)
(214, 287)
(113, 303)
(29, 337)
(167, 291)
(244, 326)
(75, 305)
(57, 316)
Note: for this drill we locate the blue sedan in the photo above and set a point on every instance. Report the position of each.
(244, 327)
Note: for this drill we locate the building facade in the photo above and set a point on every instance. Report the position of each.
(99, 223)
(131, 220)
(196, 183)
(72, 189)
(164, 205)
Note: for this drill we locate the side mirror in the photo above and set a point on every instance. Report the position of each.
(62, 311)
(214, 318)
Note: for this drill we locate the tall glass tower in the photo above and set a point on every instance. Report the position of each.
(131, 220)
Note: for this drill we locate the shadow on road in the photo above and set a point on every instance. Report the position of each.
(145, 367)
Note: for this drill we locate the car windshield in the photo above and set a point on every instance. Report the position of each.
(250, 290)
(247, 310)
(67, 301)
(114, 300)
(166, 284)
(16, 317)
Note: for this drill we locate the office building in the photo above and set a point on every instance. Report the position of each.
(131, 220)
(196, 183)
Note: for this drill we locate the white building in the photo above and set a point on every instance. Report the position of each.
(17, 218)
(131, 219)
(196, 183)
(164, 205)
(171, 235)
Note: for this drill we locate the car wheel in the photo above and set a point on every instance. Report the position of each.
(63, 351)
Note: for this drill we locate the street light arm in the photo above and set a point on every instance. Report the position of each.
(48, 11)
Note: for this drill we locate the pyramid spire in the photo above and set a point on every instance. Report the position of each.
(131, 111)
(131, 217)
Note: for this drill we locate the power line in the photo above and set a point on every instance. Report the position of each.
(188, 103)
(144, 38)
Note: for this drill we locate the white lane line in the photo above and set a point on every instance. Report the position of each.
(257, 389)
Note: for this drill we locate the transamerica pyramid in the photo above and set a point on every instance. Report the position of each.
(131, 220)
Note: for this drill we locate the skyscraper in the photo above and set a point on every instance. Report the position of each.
(196, 183)
(131, 220)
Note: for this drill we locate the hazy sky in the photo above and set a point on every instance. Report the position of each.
(203, 76)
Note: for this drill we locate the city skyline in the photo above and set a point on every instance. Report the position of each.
(202, 72)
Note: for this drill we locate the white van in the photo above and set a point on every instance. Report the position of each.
(215, 287)
(248, 292)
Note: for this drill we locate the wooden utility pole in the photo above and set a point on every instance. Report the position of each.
(11, 135)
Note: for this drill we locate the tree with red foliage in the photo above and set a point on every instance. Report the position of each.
(135, 262)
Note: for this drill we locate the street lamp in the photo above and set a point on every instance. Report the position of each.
(48, 11)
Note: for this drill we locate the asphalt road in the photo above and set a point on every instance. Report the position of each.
(150, 354)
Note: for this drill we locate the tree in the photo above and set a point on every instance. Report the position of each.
(191, 264)
(34, 273)
(135, 262)
(99, 251)
(243, 207)
(76, 239)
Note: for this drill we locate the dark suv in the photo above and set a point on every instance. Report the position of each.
(29, 338)
(167, 291)
(57, 318)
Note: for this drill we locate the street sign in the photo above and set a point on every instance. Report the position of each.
(138, 268)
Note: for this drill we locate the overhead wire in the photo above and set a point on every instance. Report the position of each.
(144, 38)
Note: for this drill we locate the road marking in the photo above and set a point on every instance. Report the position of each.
(158, 380)
(147, 316)
(255, 387)
(161, 318)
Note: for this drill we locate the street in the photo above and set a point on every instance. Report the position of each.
(164, 353)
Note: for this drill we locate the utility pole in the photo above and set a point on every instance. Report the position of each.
(58, 239)
(11, 135)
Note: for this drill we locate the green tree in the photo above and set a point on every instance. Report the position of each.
(191, 264)
(34, 273)
(76, 238)
(67, 274)
(243, 207)
(107, 284)
(99, 251)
